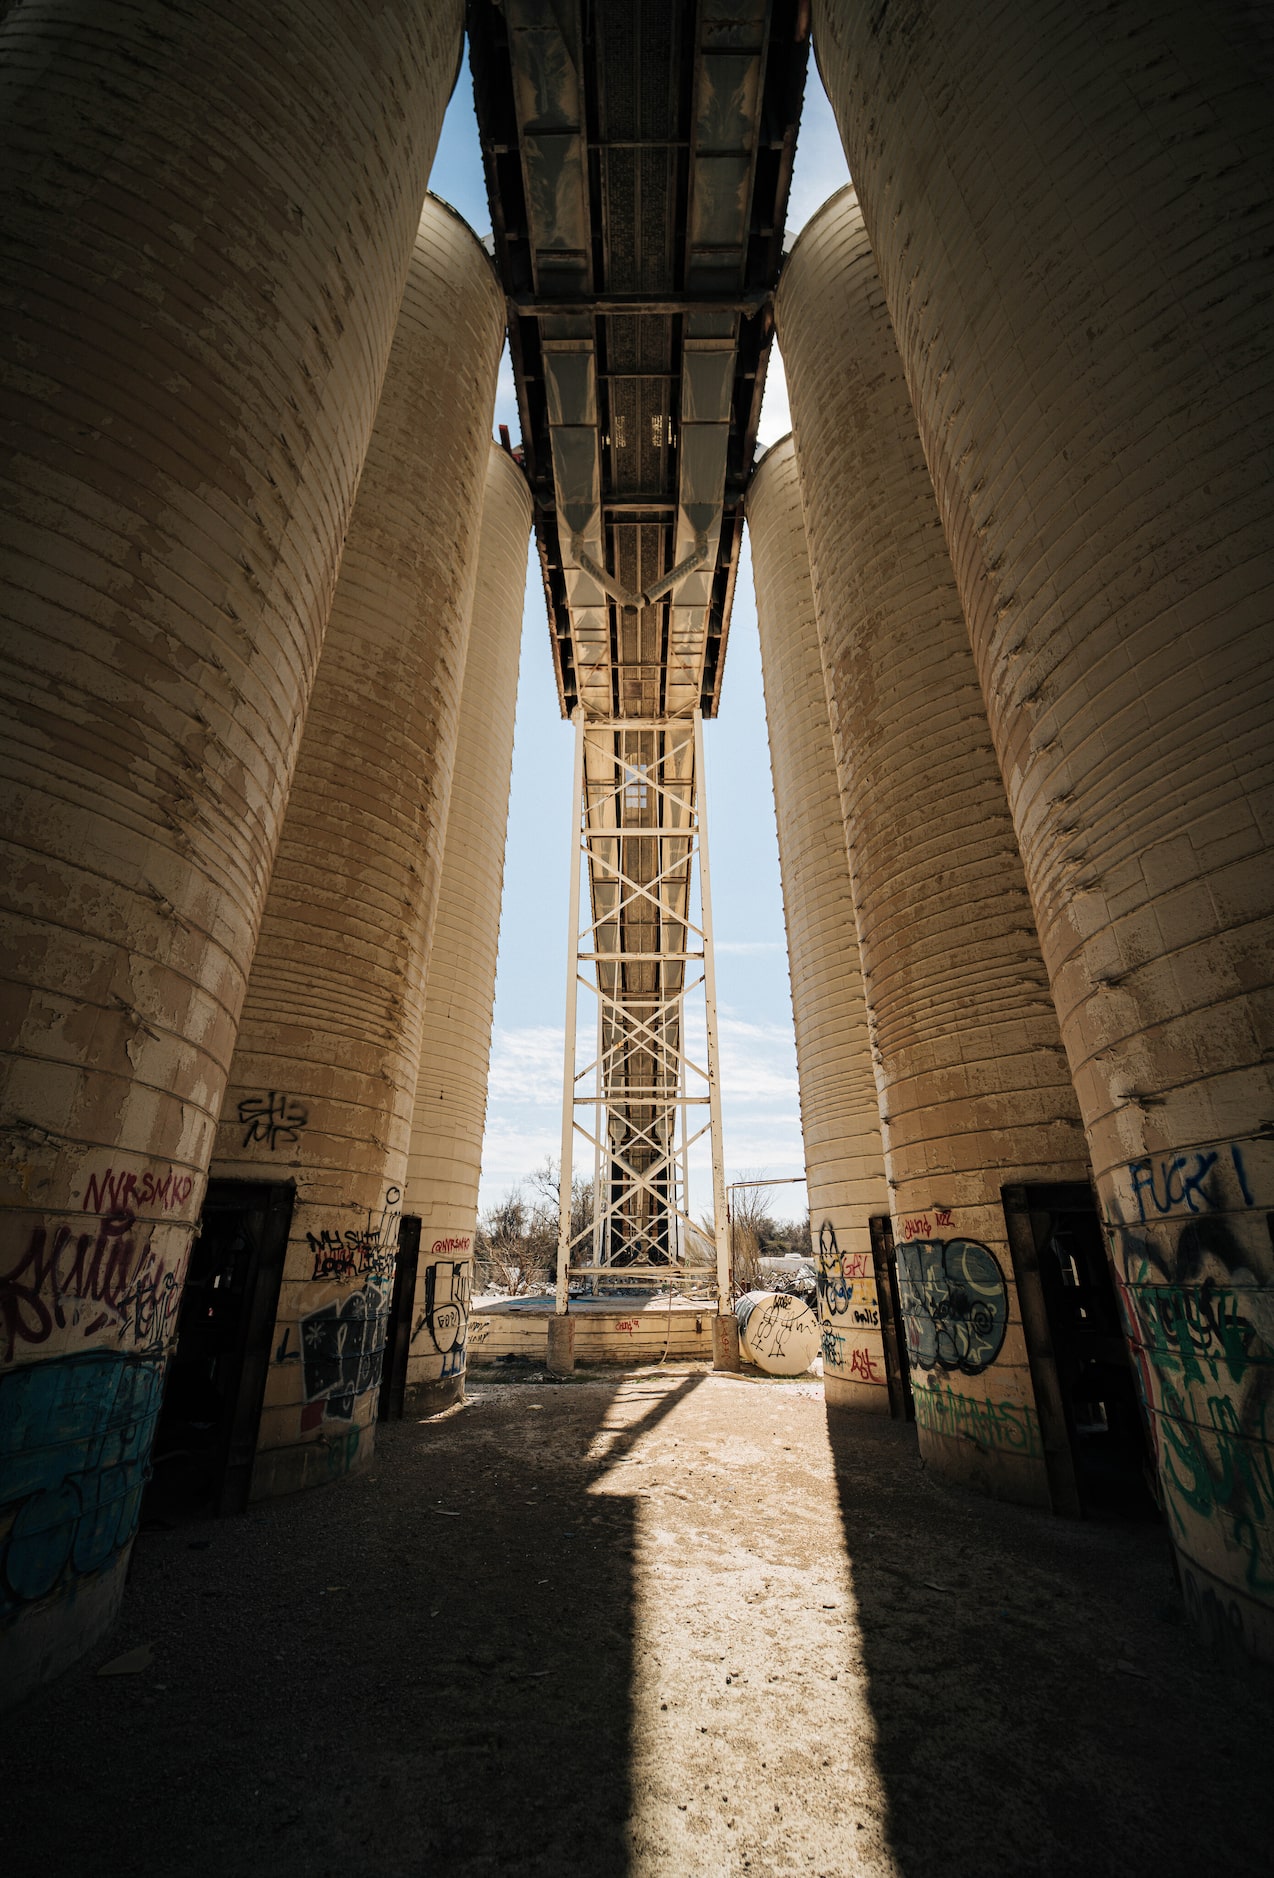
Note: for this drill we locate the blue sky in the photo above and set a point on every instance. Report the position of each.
(759, 1093)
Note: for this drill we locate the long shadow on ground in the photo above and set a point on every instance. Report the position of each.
(1040, 1705)
(427, 1668)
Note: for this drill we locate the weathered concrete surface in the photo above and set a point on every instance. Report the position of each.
(840, 1113)
(675, 1624)
(323, 1076)
(199, 279)
(444, 1161)
(974, 1089)
(1070, 209)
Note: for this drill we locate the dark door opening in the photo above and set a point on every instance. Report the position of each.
(884, 1261)
(402, 1304)
(207, 1436)
(1059, 1230)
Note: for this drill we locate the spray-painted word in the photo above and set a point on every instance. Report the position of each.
(1001, 1427)
(273, 1118)
(358, 1253)
(1191, 1180)
(923, 1225)
(118, 1191)
(106, 1279)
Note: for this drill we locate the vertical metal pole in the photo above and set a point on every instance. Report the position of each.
(579, 820)
(599, 1113)
(683, 1089)
(720, 1218)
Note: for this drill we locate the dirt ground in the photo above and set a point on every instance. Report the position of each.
(671, 1622)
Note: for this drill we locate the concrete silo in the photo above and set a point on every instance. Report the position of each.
(1071, 213)
(974, 1090)
(324, 1069)
(451, 1091)
(199, 282)
(840, 1120)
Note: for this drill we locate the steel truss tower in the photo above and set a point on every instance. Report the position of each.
(638, 162)
(640, 943)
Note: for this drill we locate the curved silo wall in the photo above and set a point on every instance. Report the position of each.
(451, 1090)
(973, 1083)
(324, 1069)
(1071, 212)
(199, 283)
(840, 1119)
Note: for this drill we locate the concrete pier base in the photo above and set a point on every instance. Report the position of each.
(725, 1343)
(561, 1348)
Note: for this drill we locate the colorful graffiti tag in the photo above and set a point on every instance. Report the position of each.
(75, 1439)
(954, 1304)
(837, 1273)
(1200, 1318)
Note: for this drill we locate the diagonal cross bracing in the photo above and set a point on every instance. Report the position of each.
(640, 947)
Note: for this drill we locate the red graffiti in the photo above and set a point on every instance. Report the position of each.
(109, 1265)
(451, 1245)
(627, 1323)
(122, 1192)
(919, 1226)
(861, 1364)
(856, 1264)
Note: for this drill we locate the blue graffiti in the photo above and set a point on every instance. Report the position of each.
(954, 1302)
(1192, 1180)
(75, 1441)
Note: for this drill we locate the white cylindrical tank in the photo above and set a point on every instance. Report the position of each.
(1071, 209)
(199, 279)
(451, 1088)
(330, 1034)
(973, 1086)
(840, 1120)
(777, 1332)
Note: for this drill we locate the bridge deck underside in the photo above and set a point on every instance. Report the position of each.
(638, 160)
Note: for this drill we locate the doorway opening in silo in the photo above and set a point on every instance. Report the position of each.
(207, 1436)
(1057, 1230)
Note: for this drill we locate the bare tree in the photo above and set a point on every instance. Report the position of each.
(516, 1249)
(752, 1228)
(546, 1186)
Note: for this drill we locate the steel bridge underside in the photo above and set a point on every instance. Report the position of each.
(638, 157)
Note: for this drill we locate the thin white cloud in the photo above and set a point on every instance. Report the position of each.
(526, 1066)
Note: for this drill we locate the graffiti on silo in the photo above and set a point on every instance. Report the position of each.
(954, 1303)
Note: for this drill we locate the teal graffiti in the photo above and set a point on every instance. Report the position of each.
(1001, 1427)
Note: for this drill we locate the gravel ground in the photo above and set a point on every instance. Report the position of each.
(668, 1623)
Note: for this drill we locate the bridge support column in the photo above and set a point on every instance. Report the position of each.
(640, 942)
